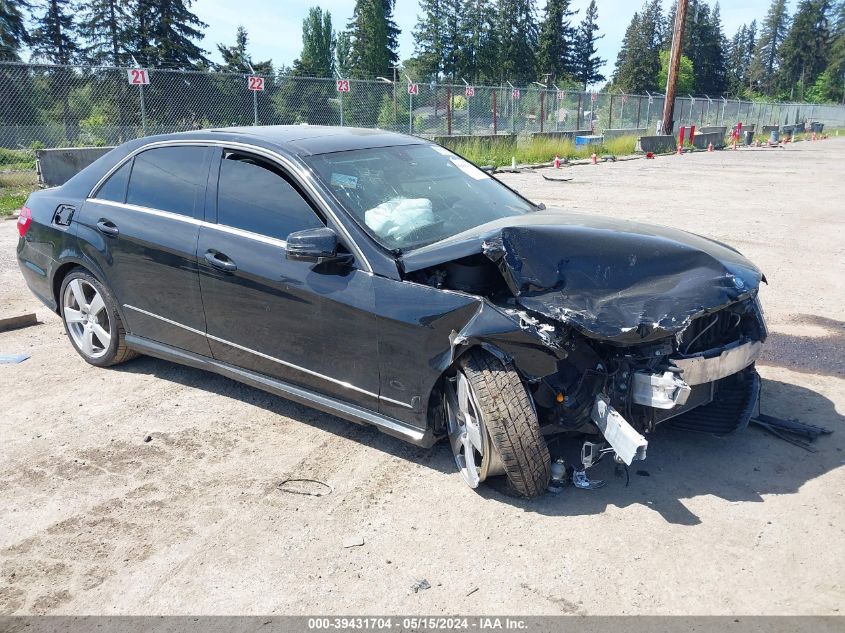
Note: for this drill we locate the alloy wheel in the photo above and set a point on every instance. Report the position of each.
(87, 318)
(474, 453)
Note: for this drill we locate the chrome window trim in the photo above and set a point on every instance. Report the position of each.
(310, 372)
(149, 210)
(294, 169)
(189, 220)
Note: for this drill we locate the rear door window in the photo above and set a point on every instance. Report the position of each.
(256, 196)
(169, 179)
(114, 188)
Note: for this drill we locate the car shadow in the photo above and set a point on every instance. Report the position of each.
(741, 467)
(220, 385)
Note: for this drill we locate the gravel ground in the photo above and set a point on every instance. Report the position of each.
(95, 520)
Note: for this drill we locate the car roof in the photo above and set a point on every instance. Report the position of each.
(316, 139)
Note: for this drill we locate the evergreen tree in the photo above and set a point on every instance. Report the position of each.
(318, 45)
(173, 29)
(237, 60)
(556, 49)
(429, 42)
(587, 63)
(54, 38)
(803, 55)
(103, 26)
(371, 49)
(740, 53)
(835, 89)
(13, 33)
(455, 40)
(343, 53)
(517, 38)
(772, 33)
(638, 62)
(481, 41)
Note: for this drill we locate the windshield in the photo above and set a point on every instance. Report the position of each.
(412, 195)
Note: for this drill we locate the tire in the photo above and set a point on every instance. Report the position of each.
(87, 323)
(510, 421)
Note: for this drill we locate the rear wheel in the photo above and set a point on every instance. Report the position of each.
(492, 426)
(91, 320)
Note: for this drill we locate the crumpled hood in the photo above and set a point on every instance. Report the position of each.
(613, 280)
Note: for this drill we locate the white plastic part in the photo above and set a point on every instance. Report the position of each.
(625, 440)
(661, 391)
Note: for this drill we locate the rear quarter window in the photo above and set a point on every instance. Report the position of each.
(169, 178)
(114, 188)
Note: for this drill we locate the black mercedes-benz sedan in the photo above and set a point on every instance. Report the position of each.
(386, 280)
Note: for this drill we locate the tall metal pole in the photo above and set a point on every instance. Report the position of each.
(255, 106)
(143, 110)
(674, 66)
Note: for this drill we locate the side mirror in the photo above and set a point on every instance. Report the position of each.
(315, 245)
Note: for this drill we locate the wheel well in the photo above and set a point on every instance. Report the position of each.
(436, 411)
(59, 276)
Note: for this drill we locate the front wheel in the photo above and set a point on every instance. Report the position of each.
(91, 320)
(493, 427)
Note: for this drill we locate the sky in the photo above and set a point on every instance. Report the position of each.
(275, 26)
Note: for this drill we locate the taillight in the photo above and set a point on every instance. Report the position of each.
(24, 220)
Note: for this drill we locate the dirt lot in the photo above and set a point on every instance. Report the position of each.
(95, 520)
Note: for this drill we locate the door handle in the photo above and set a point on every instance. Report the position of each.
(107, 228)
(220, 262)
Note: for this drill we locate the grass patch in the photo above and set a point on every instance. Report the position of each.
(536, 150)
(15, 186)
(11, 201)
(16, 159)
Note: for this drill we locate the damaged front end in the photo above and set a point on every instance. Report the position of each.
(638, 325)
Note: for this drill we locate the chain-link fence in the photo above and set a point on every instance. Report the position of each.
(54, 106)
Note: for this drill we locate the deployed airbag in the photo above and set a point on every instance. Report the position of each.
(398, 218)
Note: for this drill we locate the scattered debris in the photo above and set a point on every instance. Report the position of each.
(12, 359)
(788, 429)
(148, 439)
(582, 481)
(556, 179)
(420, 585)
(307, 487)
(353, 541)
(472, 591)
(18, 321)
(643, 473)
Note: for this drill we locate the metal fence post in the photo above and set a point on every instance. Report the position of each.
(449, 111)
(495, 114)
(639, 109)
(610, 115)
(469, 115)
(143, 110)
(410, 112)
(542, 109)
(255, 106)
(578, 112)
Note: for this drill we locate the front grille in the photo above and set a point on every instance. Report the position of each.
(731, 409)
(711, 331)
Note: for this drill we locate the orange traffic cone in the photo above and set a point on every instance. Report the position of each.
(595, 159)
(710, 147)
(680, 150)
(814, 136)
(557, 161)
